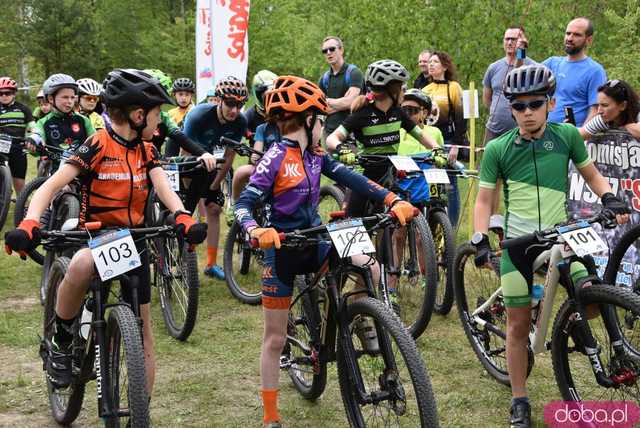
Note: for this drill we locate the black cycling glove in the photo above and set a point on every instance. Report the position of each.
(614, 204)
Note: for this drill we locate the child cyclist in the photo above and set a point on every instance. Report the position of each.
(295, 105)
(532, 160)
(116, 170)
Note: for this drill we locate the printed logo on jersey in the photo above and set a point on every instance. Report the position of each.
(75, 127)
(263, 166)
(548, 145)
(85, 149)
(55, 134)
(291, 172)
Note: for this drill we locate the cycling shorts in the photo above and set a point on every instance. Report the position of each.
(281, 267)
(516, 274)
(18, 163)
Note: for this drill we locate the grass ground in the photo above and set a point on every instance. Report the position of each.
(213, 379)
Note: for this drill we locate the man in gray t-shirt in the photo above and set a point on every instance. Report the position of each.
(500, 120)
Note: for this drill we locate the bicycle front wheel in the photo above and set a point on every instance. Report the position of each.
(125, 372)
(485, 328)
(397, 389)
(242, 267)
(416, 281)
(621, 366)
(301, 354)
(176, 276)
(444, 240)
(6, 183)
(65, 403)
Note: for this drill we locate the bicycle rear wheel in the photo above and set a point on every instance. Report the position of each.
(397, 388)
(416, 282)
(242, 267)
(444, 240)
(6, 183)
(125, 371)
(487, 329)
(176, 276)
(571, 365)
(65, 403)
(301, 353)
(331, 199)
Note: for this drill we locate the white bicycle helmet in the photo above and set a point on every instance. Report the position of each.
(88, 86)
(385, 71)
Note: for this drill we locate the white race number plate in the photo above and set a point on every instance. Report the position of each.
(174, 176)
(114, 253)
(5, 145)
(350, 238)
(404, 163)
(436, 176)
(584, 240)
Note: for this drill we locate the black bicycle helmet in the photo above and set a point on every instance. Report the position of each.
(183, 84)
(529, 80)
(131, 87)
(420, 97)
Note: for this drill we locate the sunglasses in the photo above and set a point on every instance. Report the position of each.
(531, 105)
(411, 110)
(92, 98)
(613, 84)
(233, 103)
(6, 94)
(329, 49)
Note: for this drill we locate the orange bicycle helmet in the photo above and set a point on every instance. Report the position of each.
(294, 95)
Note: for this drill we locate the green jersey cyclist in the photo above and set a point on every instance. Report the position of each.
(532, 161)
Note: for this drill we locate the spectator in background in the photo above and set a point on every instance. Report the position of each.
(43, 106)
(342, 83)
(446, 92)
(423, 78)
(617, 108)
(211, 97)
(500, 117)
(578, 76)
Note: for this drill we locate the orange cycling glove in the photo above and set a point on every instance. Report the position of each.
(267, 237)
(403, 210)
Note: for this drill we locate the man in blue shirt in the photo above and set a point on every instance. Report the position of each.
(206, 124)
(577, 75)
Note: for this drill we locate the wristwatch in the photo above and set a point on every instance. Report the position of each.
(478, 238)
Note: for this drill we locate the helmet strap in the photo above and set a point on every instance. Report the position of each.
(309, 129)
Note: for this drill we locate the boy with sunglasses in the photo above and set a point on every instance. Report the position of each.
(532, 160)
(15, 117)
(88, 99)
(206, 124)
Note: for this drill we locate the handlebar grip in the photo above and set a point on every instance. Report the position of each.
(225, 141)
(514, 242)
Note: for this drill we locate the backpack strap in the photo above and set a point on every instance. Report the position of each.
(324, 82)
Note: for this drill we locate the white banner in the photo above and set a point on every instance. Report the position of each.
(204, 49)
(230, 19)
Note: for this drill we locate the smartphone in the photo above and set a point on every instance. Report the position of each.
(521, 53)
(568, 115)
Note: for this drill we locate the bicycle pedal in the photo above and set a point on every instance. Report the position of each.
(285, 362)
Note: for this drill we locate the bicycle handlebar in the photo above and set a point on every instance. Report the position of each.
(239, 148)
(301, 236)
(549, 236)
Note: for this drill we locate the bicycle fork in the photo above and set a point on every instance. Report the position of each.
(101, 348)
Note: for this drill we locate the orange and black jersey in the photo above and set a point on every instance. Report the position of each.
(114, 178)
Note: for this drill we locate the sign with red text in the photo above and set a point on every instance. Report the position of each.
(230, 24)
(616, 154)
(204, 49)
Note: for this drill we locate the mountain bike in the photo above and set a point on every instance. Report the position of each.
(407, 255)
(111, 349)
(589, 349)
(174, 266)
(243, 264)
(6, 179)
(383, 380)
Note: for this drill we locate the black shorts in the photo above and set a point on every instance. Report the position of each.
(356, 203)
(144, 277)
(18, 163)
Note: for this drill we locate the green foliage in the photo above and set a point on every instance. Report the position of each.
(88, 38)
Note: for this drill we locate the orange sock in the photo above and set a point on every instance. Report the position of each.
(270, 405)
(212, 256)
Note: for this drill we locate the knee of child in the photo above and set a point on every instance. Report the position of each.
(82, 267)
